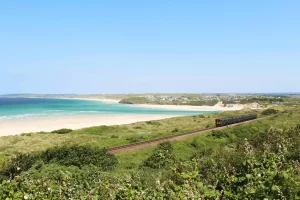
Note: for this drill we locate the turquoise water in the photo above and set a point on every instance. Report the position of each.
(20, 108)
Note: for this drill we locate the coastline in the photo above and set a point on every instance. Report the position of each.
(95, 99)
(170, 107)
(189, 108)
(48, 124)
(216, 107)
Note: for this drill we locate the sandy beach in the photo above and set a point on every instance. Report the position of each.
(15, 126)
(190, 108)
(173, 107)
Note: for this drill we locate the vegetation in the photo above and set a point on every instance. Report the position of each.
(143, 100)
(161, 157)
(259, 160)
(62, 131)
(265, 100)
(269, 111)
(105, 136)
(78, 156)
(135, 100)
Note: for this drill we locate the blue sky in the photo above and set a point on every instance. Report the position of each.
(149, 46)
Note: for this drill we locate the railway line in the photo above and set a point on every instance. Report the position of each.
(143, 144)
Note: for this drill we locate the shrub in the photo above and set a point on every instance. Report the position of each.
(197, 142)
(17, 164)
(161, 157)
(175, 130)
(209, 125)
(153, 123)
(269, 111)
(80, 156)
(136, 138)
(219, 134)
(66, 155)
(138, 127)
(62, 131)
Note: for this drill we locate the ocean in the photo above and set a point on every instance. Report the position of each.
(24, 108)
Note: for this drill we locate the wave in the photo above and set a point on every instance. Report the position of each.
(90, 111)
(29, 116)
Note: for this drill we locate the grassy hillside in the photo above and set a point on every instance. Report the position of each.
(256, 160)
(108, 136)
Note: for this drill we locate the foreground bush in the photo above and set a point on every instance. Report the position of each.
(17, 164)
(264, 167)
(161, 157)
(78, 156)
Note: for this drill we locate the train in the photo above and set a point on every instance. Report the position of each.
(236, 119)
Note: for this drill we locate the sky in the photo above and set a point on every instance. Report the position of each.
(149, 46)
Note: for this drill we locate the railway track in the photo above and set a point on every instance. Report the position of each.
(156, 141)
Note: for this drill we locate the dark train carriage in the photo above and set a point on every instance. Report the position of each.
(235, 119)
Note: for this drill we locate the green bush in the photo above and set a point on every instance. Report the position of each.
(155, 123)
(161, 157)
(62, 131)
(209, 125)
(269, 111)
(17, 164)
(80, 156)
(136, 138)
(219, 134)
(198, 143)
(138, 127)
(175, 130)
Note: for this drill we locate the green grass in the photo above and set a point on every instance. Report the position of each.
(108, 136)
(143, 100)
(187, 147)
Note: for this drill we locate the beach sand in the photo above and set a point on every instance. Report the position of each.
(190, 108)
(174, 107)
(17, 126)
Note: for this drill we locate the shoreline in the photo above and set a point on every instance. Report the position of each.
(94, 99)
(216, 107)
(169, 107)
(48, 124)
(188, 108)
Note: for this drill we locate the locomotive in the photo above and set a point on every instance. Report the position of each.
(235, 119)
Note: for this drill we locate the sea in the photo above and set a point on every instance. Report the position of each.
(25, 108)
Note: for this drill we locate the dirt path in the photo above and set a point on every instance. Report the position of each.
(140, 145)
